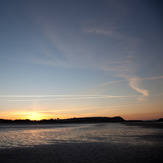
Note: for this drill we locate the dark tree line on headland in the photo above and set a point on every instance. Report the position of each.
(71, 120)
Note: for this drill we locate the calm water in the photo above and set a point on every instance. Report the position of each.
(30, 135)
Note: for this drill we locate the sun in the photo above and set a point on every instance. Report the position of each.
(32, 115)
(35, 116)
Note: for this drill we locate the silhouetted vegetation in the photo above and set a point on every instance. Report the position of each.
(72, 120)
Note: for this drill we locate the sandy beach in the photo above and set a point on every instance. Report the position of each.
(83, 152)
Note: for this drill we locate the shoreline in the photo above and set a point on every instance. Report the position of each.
(146, 124)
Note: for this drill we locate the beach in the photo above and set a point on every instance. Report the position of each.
(83, 152)
(135, 145)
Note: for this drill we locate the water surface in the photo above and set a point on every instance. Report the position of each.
(31, 135)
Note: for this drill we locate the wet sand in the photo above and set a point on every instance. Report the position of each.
(83, 153)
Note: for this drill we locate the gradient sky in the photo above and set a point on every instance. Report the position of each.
(78, 58)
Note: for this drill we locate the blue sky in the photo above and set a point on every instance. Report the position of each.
(81, 58)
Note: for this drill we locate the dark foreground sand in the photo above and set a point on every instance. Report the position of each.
(83, 153)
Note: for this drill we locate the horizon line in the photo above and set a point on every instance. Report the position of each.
(79, 118)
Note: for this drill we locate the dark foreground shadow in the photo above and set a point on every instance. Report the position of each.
(83, 153)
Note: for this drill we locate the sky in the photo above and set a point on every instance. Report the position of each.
(81, 58)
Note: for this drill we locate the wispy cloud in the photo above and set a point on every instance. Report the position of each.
(135, 83)
(57, 97)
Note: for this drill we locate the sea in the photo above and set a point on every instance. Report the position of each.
(13, 135)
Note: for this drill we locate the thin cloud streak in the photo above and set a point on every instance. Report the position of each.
(134, 83)
(59, 97)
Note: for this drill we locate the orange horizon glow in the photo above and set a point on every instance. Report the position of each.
(27, 115)
(40, 116)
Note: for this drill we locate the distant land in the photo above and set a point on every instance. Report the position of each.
(72, 120)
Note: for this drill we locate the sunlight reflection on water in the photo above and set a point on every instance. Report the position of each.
(30, 135)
